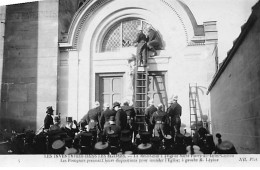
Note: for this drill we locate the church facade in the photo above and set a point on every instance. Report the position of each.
(70, 53)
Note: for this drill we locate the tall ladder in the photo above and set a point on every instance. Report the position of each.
(193, 103)
(140, 95)
(141, 86)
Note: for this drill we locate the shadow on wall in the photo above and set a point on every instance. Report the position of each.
(19, 80)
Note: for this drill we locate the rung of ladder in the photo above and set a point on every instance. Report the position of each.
(140, 69)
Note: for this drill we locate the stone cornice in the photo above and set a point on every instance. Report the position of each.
(89, 8)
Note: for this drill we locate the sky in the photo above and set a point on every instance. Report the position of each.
(229, 14)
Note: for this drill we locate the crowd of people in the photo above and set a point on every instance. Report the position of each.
(118, 131)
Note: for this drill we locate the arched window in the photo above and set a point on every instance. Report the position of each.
(122, 34)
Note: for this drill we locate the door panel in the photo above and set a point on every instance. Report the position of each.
(110, 89)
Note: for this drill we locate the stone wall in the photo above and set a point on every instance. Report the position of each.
(19, 80)
(235, 97)
(29, 81)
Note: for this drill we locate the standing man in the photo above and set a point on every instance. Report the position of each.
(56, 126)
(148, 114)
(112, 128)
(69, 127)
(153, 40)
(159, 119)
(174, 113)
(121, 117)
(105, 116)
(48, 121)
(130, 112)
(91, 118)
(140, 43)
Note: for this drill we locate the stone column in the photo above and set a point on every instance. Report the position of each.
(211, 65)
(73, 85)
(2, 33)
(47, 57)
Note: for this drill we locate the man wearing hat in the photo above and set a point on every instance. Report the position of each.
(56, 125)
(92, 117)
(130, 112)
(153, 42)
(105, 116)
(48, 121)
(69, 127)
(121, 116)
(112, 128)
(141, 51)
(148, 114)
(159, 119)
(174, 112)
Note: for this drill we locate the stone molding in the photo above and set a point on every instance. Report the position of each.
(90, 7)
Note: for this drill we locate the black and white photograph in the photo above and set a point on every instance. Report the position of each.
(130, 82)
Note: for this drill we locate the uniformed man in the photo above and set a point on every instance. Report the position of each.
(105, 116)
(159, 119)
(121, 116)
(130, 112)
(141, 51)
(56, 125)
(92, 117)
(112, 128)
(154, 41)
(148, 114)
(174, 112)
(48, 121)
(69, 127)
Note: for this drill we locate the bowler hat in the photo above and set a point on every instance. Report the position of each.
(116, 104)
(49, 109)
(175, 98)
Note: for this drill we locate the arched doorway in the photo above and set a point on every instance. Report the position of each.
(98, 58)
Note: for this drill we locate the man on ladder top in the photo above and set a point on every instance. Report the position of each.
(141, 51)
(153, 41)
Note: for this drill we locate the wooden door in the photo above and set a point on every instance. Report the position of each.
(110, 89)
